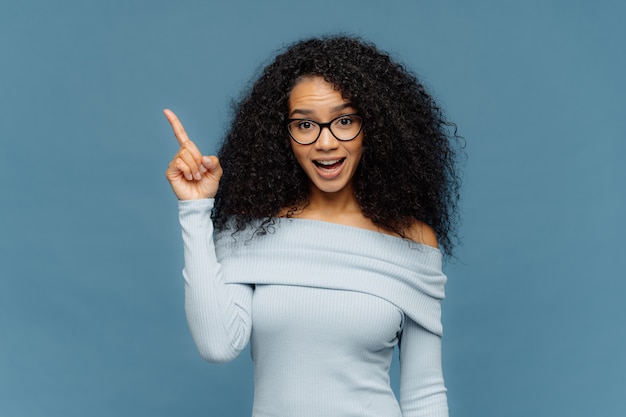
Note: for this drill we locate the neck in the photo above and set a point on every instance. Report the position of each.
(331, 205)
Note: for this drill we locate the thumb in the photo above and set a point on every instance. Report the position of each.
(212, 164)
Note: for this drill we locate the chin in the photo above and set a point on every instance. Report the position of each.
(326, 188)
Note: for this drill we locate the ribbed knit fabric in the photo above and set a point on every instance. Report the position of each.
(323, 305)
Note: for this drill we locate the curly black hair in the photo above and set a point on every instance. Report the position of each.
(408, 169)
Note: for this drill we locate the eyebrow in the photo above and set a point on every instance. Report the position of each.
(307, 112)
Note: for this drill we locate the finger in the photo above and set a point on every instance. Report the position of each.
(191, 163)
(177, 126)
(193, 149)
(212, 164)
(177, 169)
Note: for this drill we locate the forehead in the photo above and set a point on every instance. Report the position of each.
(315, 93)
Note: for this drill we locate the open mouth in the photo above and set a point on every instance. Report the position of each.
(330, 164)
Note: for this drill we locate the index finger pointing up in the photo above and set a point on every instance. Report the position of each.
(177, 126)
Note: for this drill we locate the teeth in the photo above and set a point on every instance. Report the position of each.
(328, 163)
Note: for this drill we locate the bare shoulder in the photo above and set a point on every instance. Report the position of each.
(422, 233)
(419, 232)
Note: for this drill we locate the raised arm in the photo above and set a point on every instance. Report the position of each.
(218, 314)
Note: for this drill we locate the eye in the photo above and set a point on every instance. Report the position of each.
(305, 125)
(344, 121)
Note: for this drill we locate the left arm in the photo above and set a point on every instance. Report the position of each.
(422, 389)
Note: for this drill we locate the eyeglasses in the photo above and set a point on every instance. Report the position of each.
(306, 131)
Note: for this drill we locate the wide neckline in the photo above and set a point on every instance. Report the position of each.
(356, 230)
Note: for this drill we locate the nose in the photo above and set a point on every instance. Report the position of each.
(326, 140)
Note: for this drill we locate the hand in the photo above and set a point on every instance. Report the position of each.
(191, 175)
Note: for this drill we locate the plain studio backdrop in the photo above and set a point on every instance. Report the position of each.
(91, 294)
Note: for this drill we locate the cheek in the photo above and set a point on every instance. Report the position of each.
(356, 148)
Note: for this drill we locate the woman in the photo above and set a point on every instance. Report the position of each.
(338, 186)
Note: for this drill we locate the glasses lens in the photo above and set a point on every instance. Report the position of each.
(304, 131)
(346, 127)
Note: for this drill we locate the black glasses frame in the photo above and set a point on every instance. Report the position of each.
(322, 126)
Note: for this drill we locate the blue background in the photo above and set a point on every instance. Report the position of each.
(91, 295)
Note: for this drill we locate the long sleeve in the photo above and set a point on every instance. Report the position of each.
(422, 389)
(218, 314)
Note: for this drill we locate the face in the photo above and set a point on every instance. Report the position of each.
(329, 163)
